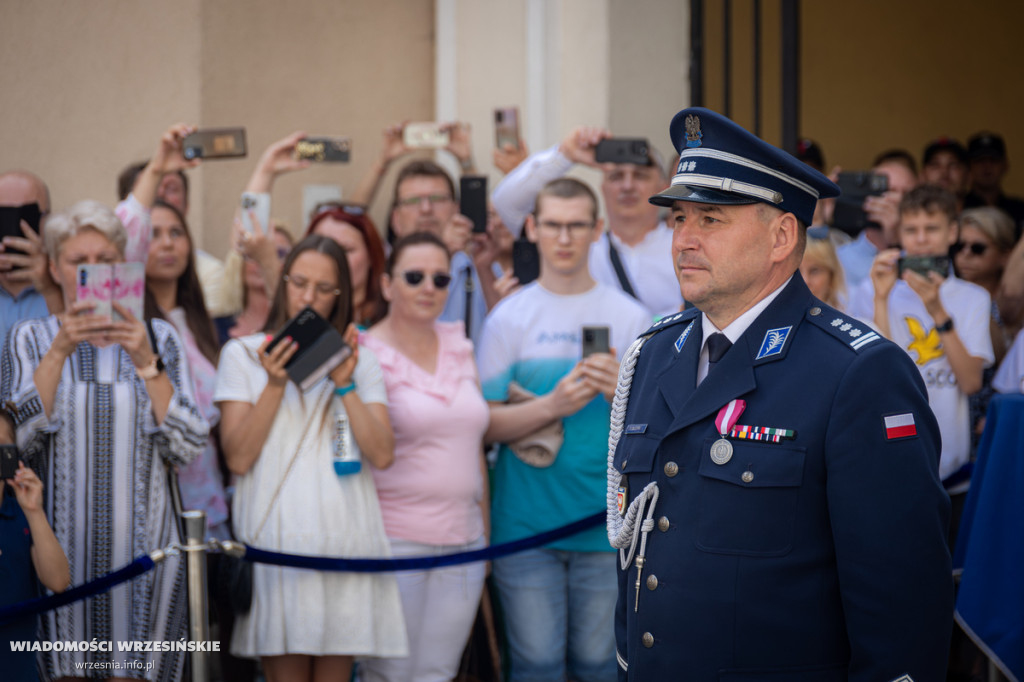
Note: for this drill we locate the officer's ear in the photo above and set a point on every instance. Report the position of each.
(785, 230)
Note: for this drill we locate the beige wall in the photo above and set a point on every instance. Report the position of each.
(103, 79)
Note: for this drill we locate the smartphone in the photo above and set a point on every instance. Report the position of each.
(623, 150)
(424, 136)
(922, 265)
(854, 188)
(595, 340)
(8, 461)
(259, 204)
(506, 127)
(215, 143)
(320, 350)
(10, 222)
(95, 285)
(525, 261)
(330, 149)
(473, 201)
(129, 288)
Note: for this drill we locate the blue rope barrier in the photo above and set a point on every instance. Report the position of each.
(38, 605)
(146, 563)
(263, 556)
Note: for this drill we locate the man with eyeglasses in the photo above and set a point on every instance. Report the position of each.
(557, 601)
(633, 255)
(26, 288)
(425, 201)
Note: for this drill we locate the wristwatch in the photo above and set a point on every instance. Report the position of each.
(466, 165)
(152, 370)
(946, 326)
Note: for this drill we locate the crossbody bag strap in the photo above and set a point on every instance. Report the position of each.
(620, 271)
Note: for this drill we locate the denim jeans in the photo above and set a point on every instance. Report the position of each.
(559, 614)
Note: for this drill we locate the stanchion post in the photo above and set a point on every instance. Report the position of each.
(195, 566)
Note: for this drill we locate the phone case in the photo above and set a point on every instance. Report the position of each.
(129, 288)
(622, 150)
(95, 284)
(219, 143)
(595, 340)
(506, 127)
(8, 461)
(320, 350)
(473, 200)
(331, 149)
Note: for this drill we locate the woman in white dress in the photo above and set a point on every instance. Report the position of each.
(296, 490)
(99, 412)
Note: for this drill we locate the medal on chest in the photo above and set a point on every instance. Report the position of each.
(721, 449)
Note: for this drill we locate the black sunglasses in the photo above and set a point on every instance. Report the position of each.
(977, 248)
(415, 277)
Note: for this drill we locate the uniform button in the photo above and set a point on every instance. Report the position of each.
(647, 640)
(652, 582)
(663, 524)
(671, 469)
(815, 311)
(747, 476)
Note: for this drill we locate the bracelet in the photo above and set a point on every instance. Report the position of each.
(347, 388)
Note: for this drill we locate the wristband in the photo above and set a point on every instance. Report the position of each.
(946, 326)
(342, 390)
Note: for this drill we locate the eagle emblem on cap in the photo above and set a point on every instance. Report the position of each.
(693, 133)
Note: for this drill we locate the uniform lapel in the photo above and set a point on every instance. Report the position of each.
(734, 374)
(676, 383)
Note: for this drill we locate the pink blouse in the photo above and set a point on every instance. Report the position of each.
(431, 493)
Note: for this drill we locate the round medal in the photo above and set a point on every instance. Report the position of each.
(721, 451)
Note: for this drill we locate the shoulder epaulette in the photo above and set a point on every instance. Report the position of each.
(850, 331)
(672, 320)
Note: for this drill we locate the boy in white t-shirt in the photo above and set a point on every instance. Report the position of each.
(533, 338)
(941, 320)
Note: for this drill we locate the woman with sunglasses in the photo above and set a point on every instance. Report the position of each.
(980, 257)
(351, 227)
(434, 498)
(292, 496)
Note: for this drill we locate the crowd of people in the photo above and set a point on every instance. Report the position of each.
(453, 352)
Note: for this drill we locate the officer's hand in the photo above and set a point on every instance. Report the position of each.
(884, 272)
(571, 393)
(601, 372)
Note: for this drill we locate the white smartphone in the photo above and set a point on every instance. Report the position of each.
(424, 136)
(259, 204)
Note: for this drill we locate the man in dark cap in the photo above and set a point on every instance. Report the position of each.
(773, 466)
(988, 165)
(944, 163)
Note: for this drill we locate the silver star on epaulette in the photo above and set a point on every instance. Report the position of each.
(855, 333)
(836, 322)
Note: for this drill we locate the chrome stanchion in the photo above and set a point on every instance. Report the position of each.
(198, 621)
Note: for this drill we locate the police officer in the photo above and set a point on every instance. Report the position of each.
(773, 464)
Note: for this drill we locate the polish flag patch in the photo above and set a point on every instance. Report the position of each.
(900, 426)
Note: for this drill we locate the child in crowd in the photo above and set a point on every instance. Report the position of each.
(29, 554)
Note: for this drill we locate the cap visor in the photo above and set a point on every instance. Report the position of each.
(702, 195)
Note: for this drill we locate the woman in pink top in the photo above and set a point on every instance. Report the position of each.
(433, 498)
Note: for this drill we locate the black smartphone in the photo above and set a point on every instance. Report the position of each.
(854, 188)
(525, 260)
(10, 221)
(329, 149)
(8, 461)
(320, 350)
(506, 127)
(595, 340)
(623, 150)
(473, 200)
(922, 265)
(215, 143)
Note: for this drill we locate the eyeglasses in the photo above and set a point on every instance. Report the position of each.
(575, 228)
(977, 248)
(351, 209)
(432, 199)
(319, 288)
(415, 277)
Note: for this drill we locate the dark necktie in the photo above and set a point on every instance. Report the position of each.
(718, 344)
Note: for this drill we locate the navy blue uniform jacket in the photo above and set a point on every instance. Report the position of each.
(822, 557)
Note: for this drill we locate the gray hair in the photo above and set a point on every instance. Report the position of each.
(85, 215)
